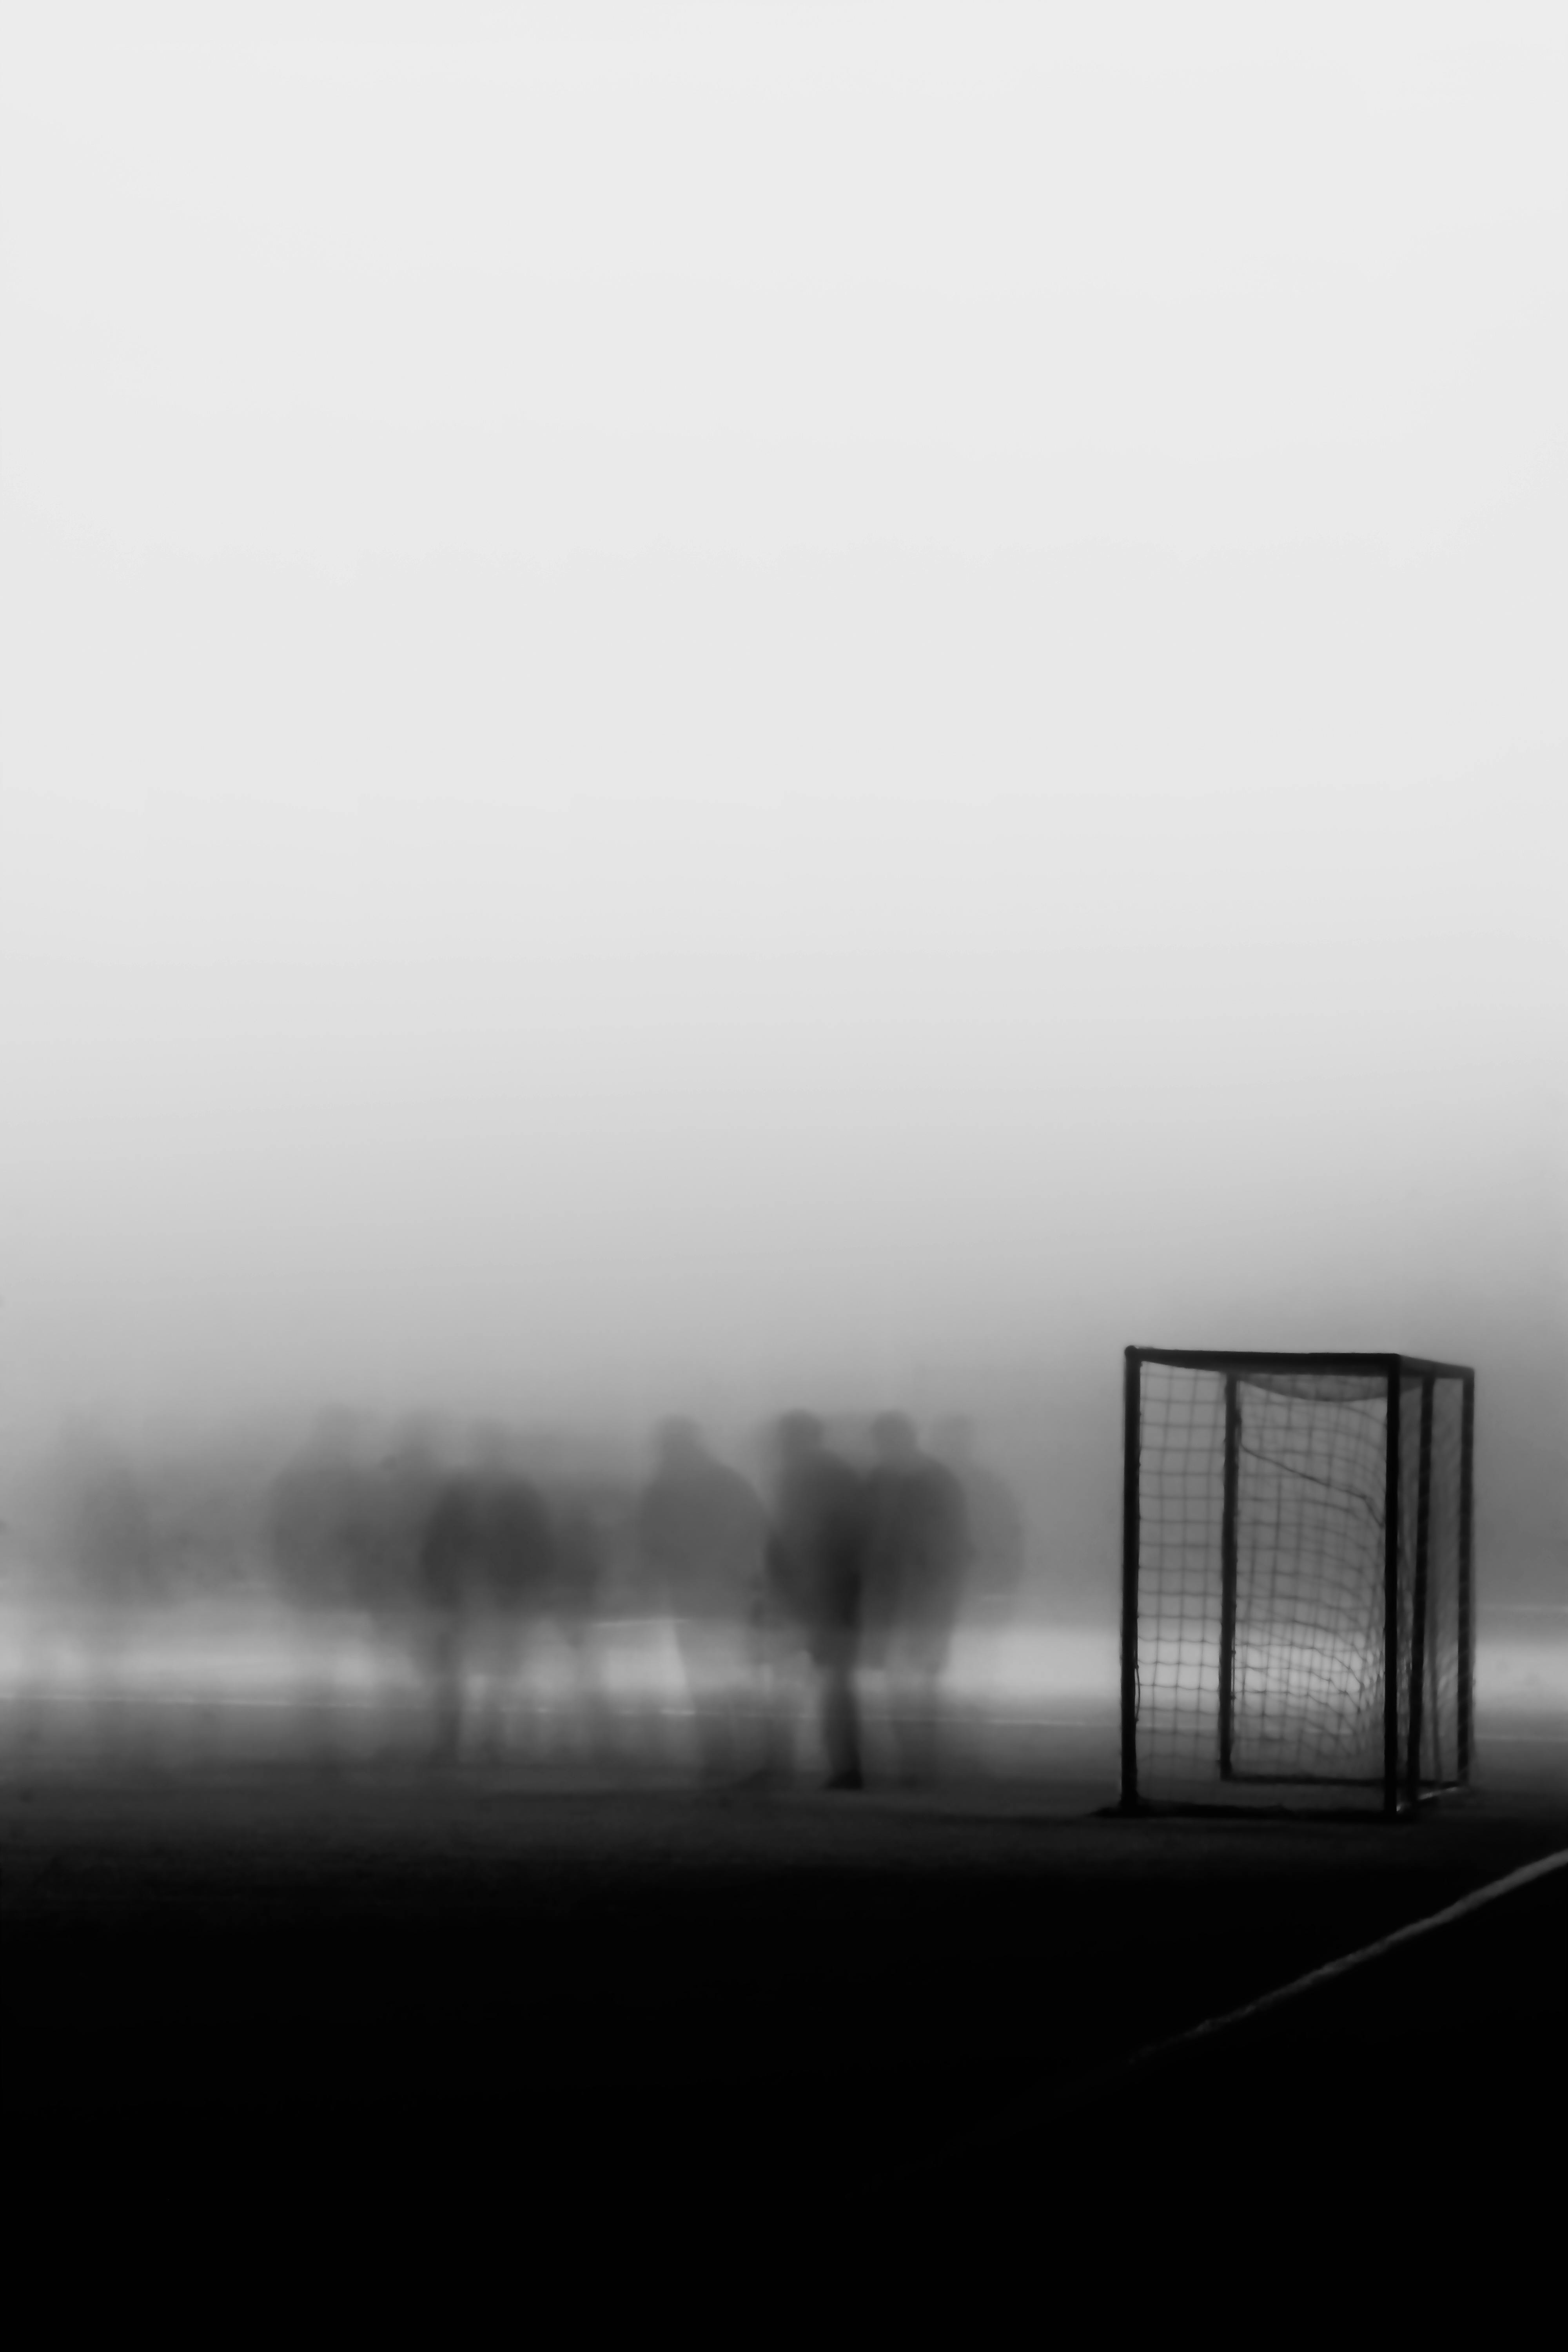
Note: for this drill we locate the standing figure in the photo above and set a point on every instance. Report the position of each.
(514, 1573)
(917, 1551)
(400, 1495)
(590, 1509)
(312, 1519)
(998, 1536)
(449, 1589)
(102, 1549)
(816, 1568)
(701, 1537)
(319, 1543)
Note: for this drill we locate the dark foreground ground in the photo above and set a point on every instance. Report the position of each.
(776, 2037)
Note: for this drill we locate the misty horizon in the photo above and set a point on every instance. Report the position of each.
(741, 713)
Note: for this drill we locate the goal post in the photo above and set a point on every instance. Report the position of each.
(1297, 1585)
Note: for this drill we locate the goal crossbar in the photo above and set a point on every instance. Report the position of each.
(1243, 1361)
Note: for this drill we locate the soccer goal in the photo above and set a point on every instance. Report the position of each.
(1297, 1602)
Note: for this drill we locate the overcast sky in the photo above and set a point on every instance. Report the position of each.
(799, 695)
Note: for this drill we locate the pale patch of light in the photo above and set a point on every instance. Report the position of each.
(61, 1670)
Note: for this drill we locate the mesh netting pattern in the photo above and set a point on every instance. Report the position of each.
(1286, 1683)
(1180, 1506)
(1309, 1586)
(1440, 1649)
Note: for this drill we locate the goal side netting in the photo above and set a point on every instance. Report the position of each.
(1296, 1573)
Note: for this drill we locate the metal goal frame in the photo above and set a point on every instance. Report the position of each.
(1400, 1781)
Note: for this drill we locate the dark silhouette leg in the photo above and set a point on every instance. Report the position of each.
(841, 1715)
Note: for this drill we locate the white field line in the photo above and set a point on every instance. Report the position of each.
(1332, 1970)
(1102, 2080)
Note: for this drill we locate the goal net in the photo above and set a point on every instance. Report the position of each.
(1296, 1573)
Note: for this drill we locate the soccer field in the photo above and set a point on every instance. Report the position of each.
(254, 1939)
(585, 1995)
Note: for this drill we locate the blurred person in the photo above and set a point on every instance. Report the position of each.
(702, 1536)
(202, 1531)
(321, 1527)
(816, 1572)
(998, 1538)
(917, 1549)
(101, 1558)
(88, 1538)
(318, 1520)
(591, 1514)
(402, 1493)
(515, 1578)
(400, 1496)
(448, 1591)
(107, 1544)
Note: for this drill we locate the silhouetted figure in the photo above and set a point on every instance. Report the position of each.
(588, 1513)
(566, 1705)
(515, 1571)
(321, 1529)
(816, 1562)
(400, 1495)
(105, 1528)
(917, 1549)
(702, 1535)
(103, 1564)
(449, 1573)
(204, 1520)
(318, 1517)
(998, 1539)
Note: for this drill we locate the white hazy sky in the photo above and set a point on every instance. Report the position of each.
(789, 692)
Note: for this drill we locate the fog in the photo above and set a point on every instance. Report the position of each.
(757, 707)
